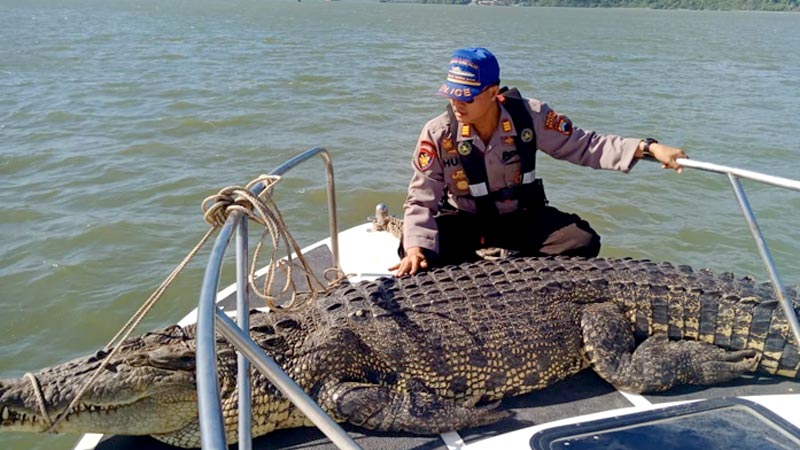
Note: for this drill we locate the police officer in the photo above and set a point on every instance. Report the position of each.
(474, 183)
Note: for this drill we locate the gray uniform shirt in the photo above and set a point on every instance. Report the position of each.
(437, 166)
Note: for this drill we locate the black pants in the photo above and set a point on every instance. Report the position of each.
(541, 232)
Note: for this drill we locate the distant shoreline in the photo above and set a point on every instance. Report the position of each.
(713, 5)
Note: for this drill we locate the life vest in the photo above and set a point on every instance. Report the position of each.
(530, 192)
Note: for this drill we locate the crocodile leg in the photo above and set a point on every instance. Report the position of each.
(657, 364)
(415, 409)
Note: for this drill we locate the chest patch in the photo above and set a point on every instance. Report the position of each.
(447, 144)
(460, 180)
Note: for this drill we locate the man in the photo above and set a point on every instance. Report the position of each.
(474, 183)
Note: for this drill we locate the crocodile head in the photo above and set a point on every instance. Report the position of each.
(146, 377)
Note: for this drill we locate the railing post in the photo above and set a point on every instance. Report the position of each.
(766, 256)
(333, 226)
(212, 425)
(243, 320)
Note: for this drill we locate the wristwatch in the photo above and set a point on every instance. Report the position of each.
(646, 148)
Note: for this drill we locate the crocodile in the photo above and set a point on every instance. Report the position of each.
(434, 352)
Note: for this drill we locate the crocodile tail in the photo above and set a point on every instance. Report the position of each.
(756, 322)
(735, 314)
(770, 332)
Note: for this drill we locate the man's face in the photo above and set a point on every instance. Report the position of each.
(473, 111)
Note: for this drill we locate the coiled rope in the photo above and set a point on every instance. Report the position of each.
(216, 210)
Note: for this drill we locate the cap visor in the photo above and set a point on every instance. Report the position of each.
(458, 92)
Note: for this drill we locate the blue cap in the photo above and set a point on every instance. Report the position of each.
(471, 71)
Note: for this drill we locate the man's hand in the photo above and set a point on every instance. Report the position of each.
(411, 263)
(667, 155)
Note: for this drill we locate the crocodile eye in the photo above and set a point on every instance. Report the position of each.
(99, 356)
(168, 359)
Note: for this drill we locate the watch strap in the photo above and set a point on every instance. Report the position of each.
(646, 147)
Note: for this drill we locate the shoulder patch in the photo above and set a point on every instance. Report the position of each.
(557, 122)
(426, 155)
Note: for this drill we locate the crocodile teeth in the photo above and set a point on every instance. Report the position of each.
(5, 413)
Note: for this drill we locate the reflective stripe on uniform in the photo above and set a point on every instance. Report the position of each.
(528, 177)
(479, 190)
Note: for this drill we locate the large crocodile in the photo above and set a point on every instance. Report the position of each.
(435, 351)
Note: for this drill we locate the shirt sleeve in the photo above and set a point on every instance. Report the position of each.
(557, 137)
(424, 193)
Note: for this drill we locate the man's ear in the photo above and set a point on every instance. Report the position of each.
(493, 91)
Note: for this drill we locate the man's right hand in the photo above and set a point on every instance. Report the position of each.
(411, 263)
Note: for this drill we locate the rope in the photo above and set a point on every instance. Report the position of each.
(37, 390)
(389, 224)
(263, 210)
(216, 210)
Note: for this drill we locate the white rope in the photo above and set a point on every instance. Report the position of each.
(37, 391)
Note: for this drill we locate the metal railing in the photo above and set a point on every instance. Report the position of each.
(209, 317)
(734, 174)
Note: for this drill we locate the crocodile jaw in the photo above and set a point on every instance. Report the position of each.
(144, 416)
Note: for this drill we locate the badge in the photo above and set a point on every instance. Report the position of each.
(425, 158)
(508, 140)
(447, 144)
(526, 135)
(506, 125)
(464, 148)
(466, 130)
(460, 179)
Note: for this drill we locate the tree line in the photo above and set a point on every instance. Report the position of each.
(762, 5)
